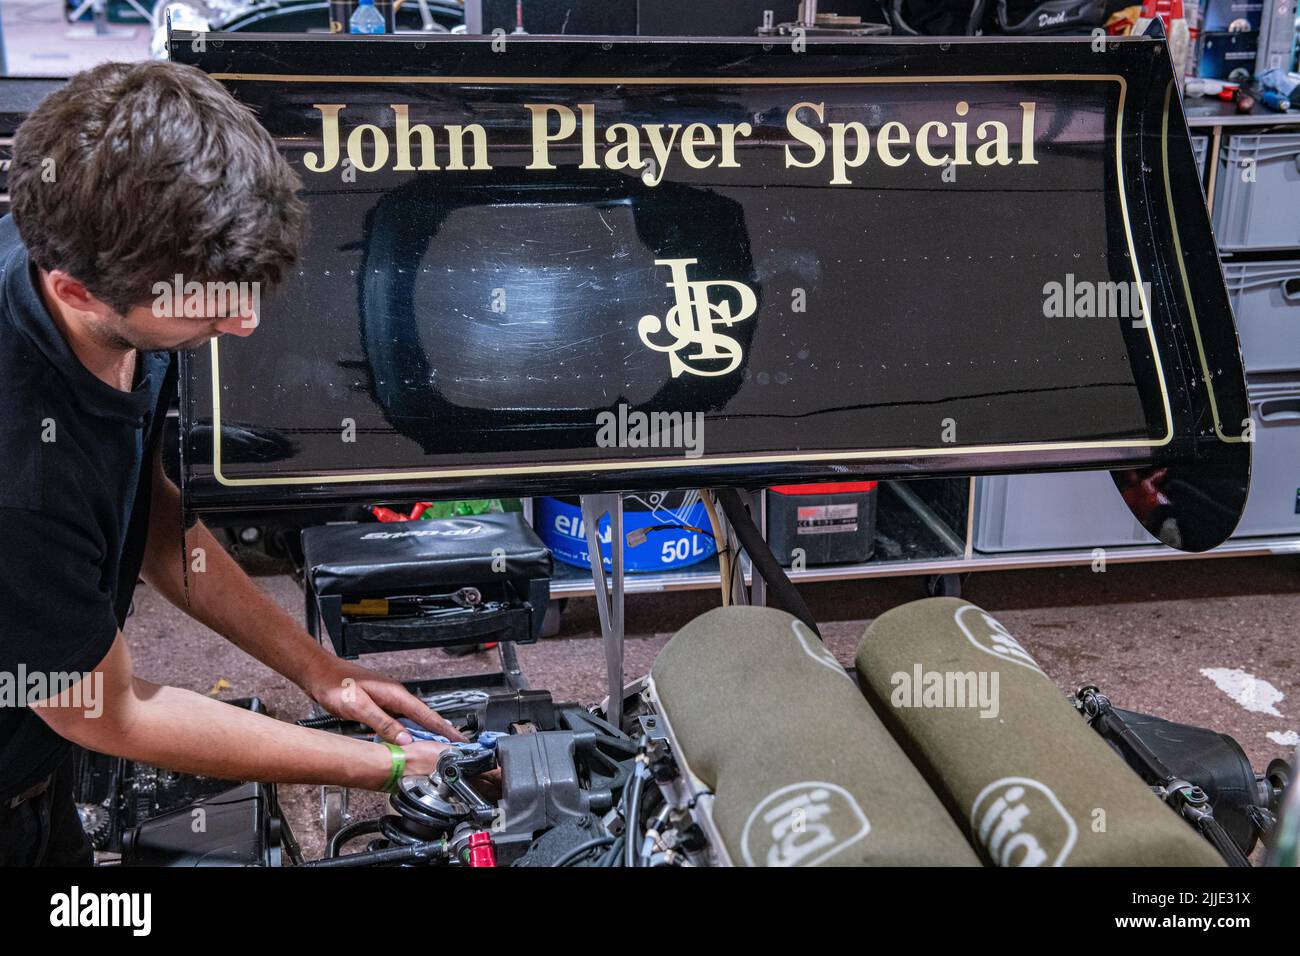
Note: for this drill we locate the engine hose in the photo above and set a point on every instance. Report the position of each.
(784, 594)
(347, 833)
(583, 848)
(614, 855)
(631, 856)
(653, 834)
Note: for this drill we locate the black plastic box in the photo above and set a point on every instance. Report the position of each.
(830, 524)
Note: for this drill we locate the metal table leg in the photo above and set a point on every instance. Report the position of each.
(609, 600)
(510, 666)
(100, 25)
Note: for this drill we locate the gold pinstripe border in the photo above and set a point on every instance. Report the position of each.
(1182, 271)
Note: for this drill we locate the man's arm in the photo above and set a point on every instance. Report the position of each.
(117, 713)
(225, 599)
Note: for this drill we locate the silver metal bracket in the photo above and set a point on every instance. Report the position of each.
(609, 598)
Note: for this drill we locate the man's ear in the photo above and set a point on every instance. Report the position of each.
(71, 292)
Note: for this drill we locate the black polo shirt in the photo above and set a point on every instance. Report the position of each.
(75, 467)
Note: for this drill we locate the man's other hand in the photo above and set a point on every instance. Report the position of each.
(352, 692)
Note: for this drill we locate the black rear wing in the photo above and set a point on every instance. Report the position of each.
(573, 265)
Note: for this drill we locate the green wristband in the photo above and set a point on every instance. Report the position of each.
(399, 768)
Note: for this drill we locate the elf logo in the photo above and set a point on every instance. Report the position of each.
(76, 909)
(1020, 822)
(984, 632)
(802, 824)
(574, 527)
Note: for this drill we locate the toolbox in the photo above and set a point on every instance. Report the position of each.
(414, 584)
(829, 523)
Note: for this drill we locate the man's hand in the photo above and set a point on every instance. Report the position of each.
(348, 690)
(422, 757)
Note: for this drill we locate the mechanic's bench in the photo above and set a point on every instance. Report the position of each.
(418, 584)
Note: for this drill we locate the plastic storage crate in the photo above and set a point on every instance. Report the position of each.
(1082, 510)
(1273, 507)
(1266, 303)
(1200, 149)
(1257, 192)
(1069, 511)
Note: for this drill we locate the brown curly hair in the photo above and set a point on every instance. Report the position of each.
(133, 173)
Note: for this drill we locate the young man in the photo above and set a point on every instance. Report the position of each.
(129, 176)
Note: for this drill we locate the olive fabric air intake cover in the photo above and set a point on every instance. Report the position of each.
(802, 771)
(1026, 778)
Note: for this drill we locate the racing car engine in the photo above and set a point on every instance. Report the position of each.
(852, 775)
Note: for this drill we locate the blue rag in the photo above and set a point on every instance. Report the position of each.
(487, 740)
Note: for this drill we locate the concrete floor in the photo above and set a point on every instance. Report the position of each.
(1142, 632)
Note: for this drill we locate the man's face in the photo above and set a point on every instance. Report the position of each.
(152, 333)
(187, 322)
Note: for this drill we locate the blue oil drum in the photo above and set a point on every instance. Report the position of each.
(558, 522)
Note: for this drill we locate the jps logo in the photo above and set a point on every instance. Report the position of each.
(992, 638)
(694, 320)
(802, 824)
(1019, 822)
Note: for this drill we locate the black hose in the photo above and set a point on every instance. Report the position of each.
(348, 832)
(430, 852)
(783, 592)
(631, 854)
(583, 848)
(614, 854)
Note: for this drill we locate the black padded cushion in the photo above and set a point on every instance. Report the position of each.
(414, 556)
